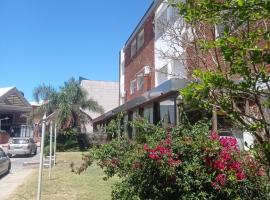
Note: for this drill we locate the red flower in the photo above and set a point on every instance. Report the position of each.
(221, 179)
(240, 176)
(174, 163)
(261, 172)
(214, 135)
(145, 147)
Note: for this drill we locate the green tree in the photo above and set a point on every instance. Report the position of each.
(230, 41)
(67, 103)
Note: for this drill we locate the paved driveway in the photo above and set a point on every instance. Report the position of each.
(21, 167)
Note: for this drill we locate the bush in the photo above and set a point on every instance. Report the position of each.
(185, 162)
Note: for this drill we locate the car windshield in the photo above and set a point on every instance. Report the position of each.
(20, 141)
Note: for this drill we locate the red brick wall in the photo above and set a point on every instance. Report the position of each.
(4, 138)
(143, 57)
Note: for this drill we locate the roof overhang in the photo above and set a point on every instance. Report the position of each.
(169, 87)
(13, 101)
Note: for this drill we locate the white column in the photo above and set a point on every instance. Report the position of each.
(55, 137)
(41, 157)
(50, 167)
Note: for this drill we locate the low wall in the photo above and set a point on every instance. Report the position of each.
(4, 137)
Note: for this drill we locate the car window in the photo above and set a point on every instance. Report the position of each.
(20, 141)
(2, 153)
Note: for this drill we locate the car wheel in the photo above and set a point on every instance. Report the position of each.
(9, 155)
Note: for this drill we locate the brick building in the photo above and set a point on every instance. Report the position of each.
(149, 79)
(149, 84)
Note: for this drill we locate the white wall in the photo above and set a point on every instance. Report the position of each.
(165, 16)
(122, 77)
(105, 93)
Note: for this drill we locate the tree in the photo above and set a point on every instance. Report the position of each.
(67, 103)
(229, 48)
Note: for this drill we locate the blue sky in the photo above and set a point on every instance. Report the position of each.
(49, 41)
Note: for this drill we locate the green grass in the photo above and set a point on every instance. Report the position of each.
(67, 185)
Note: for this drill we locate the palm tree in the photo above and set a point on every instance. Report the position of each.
(67, 103)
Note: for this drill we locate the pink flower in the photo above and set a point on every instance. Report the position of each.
(214, 135)
(221, 179)
(219, 164)
(261, 172)
(228, 142)
(153, 156)
(240, 176)
(174, 163)
(237, 166)
(145, 147)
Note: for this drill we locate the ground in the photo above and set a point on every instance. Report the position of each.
(20, 170)
(65, 184)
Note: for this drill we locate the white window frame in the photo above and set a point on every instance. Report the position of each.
(133, 48)
(140, 39)
(140, 81)
(132, 86)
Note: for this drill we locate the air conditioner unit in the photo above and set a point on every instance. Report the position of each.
(146, 70)
(123, 94)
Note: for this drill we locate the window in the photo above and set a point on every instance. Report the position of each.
(2, 153)
(133, 48)
(161, 24)
(219, 30)
(167, 111)
(140, 82)
(140, 39)
(162, 75)
(148, 113)
(132, 86)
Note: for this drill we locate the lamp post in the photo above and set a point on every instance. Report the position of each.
(6, 118)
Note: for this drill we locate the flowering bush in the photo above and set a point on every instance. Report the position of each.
(185, 162)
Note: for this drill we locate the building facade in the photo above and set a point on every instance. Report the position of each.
(151, 73)
(149, 83)
(103, 92)
(14, 112)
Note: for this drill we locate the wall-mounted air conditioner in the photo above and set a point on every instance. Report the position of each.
(146, 70)
(123, 94)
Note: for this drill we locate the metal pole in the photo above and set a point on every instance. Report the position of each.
(50, 167)
(55, 137)
(41, 157)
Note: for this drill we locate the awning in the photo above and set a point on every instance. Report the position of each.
(169, 87)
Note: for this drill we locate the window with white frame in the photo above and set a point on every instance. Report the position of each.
(140, 39)
(161, 24)
(140, 81)
(133, 47)
(132, 86)
(162, 74)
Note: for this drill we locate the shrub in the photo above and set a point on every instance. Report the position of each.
(185, 162)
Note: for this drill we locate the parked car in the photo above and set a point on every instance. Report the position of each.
(5, 163)
(22, 146)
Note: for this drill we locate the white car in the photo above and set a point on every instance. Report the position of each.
(22, 146)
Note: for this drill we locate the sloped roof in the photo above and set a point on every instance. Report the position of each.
(12, 99)
(4, 90)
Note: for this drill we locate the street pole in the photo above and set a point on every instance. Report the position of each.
(41, 157)
(55, 137)
(50, 167)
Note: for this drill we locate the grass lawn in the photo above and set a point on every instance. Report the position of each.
(65, 184)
